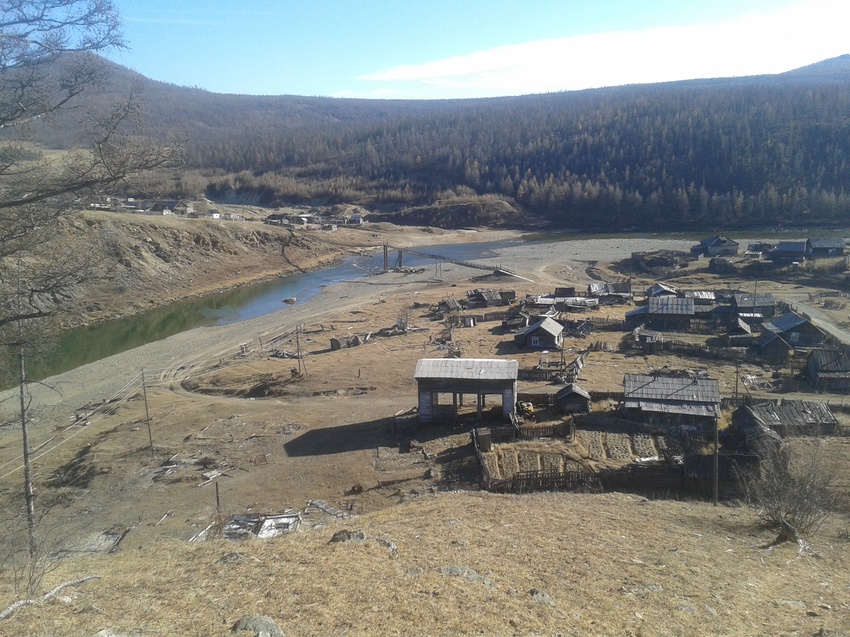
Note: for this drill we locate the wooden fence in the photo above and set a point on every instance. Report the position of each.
(544, 399)
(608, 324)
(557, 430)
(537, 375)
(529, 481)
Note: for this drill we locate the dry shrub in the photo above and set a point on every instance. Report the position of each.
(795, 483)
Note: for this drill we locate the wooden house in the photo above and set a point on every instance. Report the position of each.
(671, 400)
(759, 303)
(740, 334)
(485, 298)
(565, 291)
(790, 251)
(716, 247)
(456, 377)
(829, 369)
(797, 330)
(787, 418)
(660, 289)
(824, 247)
(546, 333)
(664, 313)
(572, 399)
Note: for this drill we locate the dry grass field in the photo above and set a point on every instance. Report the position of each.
(469, 564)
(465, 562)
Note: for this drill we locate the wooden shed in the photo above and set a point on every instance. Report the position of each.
(829, 368)
(452, 378)
(572, 399)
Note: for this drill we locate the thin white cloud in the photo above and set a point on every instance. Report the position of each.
(755, 44)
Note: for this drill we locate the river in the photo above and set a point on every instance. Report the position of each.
(100, 340)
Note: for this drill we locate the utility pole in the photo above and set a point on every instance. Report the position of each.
(147, 413)
(29, 496)
(302, 366)
(715, 493)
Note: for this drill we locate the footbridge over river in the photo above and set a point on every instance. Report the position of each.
(438, 259)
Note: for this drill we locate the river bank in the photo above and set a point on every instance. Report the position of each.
(543, 263)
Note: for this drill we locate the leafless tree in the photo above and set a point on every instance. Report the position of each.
(49, 63)
(794, 487)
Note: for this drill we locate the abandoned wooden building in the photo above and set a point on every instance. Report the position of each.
(788, 418)
(829, 369)
(456, 377)
(671, 400)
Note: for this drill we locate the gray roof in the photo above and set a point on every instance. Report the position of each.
(670, 305)
(689, 396)
(467, 368)
(547, 324)
(571, 389)
(698, 390)
(714, 241)
(704, 295)
(785, 323)
(764, 299)
(826, 243)
(792, 413)
(831, 360)
(660, 289)
(797, 246)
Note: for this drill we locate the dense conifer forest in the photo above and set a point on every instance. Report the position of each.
(752, 152)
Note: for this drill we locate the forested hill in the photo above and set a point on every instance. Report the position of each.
(720, 154)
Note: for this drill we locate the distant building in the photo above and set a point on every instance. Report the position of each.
(790, 251)
(822, 247)
(716, 247)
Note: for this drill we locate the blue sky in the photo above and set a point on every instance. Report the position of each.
(423, 49)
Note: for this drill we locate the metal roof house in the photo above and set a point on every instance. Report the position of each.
(670, 400)
(480, 377)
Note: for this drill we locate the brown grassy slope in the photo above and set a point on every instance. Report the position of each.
(466, 564)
